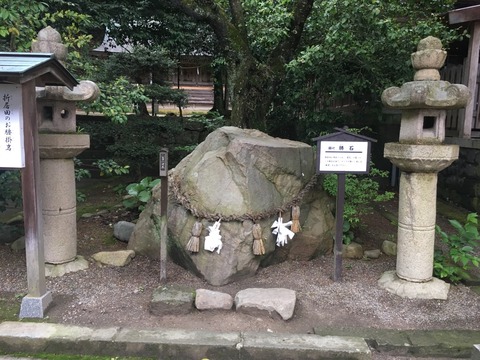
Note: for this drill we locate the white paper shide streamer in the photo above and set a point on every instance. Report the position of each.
(283, 233)
(213, 240)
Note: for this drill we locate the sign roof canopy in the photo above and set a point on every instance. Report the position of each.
(18, 68)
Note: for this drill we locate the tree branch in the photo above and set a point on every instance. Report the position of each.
(286, 49)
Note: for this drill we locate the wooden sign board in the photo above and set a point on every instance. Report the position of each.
(342, 153)
(163, 163)
(344, 157)
(12, 148)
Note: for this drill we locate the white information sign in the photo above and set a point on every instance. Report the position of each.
(344, 156)
(12, 151)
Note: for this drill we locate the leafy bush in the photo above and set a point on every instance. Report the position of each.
(109, 167)
(460, 255)
(140, 193)
(136, 142)
(10, 189)
(360, 191)
(211, 120)
(116, 100)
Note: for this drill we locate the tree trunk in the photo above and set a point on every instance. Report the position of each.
(220, 102)
(253, 91)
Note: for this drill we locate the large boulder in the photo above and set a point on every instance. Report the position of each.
(240, 177)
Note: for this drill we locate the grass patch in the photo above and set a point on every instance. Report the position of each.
(9, 306)
(73, 357)
(109, 240)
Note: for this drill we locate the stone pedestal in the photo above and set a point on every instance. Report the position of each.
(416, 226)
(419, 165)
(59, 199)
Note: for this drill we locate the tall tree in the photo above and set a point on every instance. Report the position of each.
(259, 37)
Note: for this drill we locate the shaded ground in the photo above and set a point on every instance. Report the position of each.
(108, 296)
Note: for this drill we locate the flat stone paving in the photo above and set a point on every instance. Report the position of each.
(176, 344)
(413, 343)
(326, 343)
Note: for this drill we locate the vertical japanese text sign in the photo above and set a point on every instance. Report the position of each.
(12, 151)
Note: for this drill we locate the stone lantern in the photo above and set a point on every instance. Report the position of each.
(59, 143)
(420, 154)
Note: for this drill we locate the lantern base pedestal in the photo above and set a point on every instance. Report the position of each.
(34, 307)
(77, 264)
(432, 289)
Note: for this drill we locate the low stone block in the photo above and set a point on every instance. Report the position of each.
(476, 352)
(55, 270)
(8, 233)
(122, 230)
(389, 248)
(114, 258)
(212, 300)
(372, 254)
(274, 301)
(442, 343)
(172, 300)
(353, 251)
(18, 244)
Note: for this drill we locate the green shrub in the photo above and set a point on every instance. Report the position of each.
(109, 167)
(360, 191)
(136, 142)
(140, 193)
(211, 120)
(10, 189)
(460, 255)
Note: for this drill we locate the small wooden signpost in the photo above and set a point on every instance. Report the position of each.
(342, 153)
(20, 73)
(163, 170)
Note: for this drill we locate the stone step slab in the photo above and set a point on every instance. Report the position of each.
(114, 258)
(212, 300)
(274, 301)
(172, 300)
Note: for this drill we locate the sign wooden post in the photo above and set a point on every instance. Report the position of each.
(20, 73)
(163, 165)
(38, 298)
(342, 153)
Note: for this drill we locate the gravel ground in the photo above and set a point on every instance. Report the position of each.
(106, 296)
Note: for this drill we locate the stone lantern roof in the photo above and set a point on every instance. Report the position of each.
(427, 91)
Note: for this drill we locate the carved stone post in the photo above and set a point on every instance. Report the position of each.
(59, 144)
(420, 154)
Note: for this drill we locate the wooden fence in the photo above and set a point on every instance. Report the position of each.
(455, 75)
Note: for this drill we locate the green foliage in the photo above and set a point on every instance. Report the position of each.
(80, 173)
(353, 50)
(10, 189)
(140, 193)
(109, 167)
(19, 22)
(136, 142)
(348, 234)
(117, 99)
(163, 94)
(267, 23)
(462, 250)
(360, 191)
(211, 120)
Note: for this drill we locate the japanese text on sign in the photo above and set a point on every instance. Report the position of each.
(163, 163)
(343, 156)
(12, 153)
